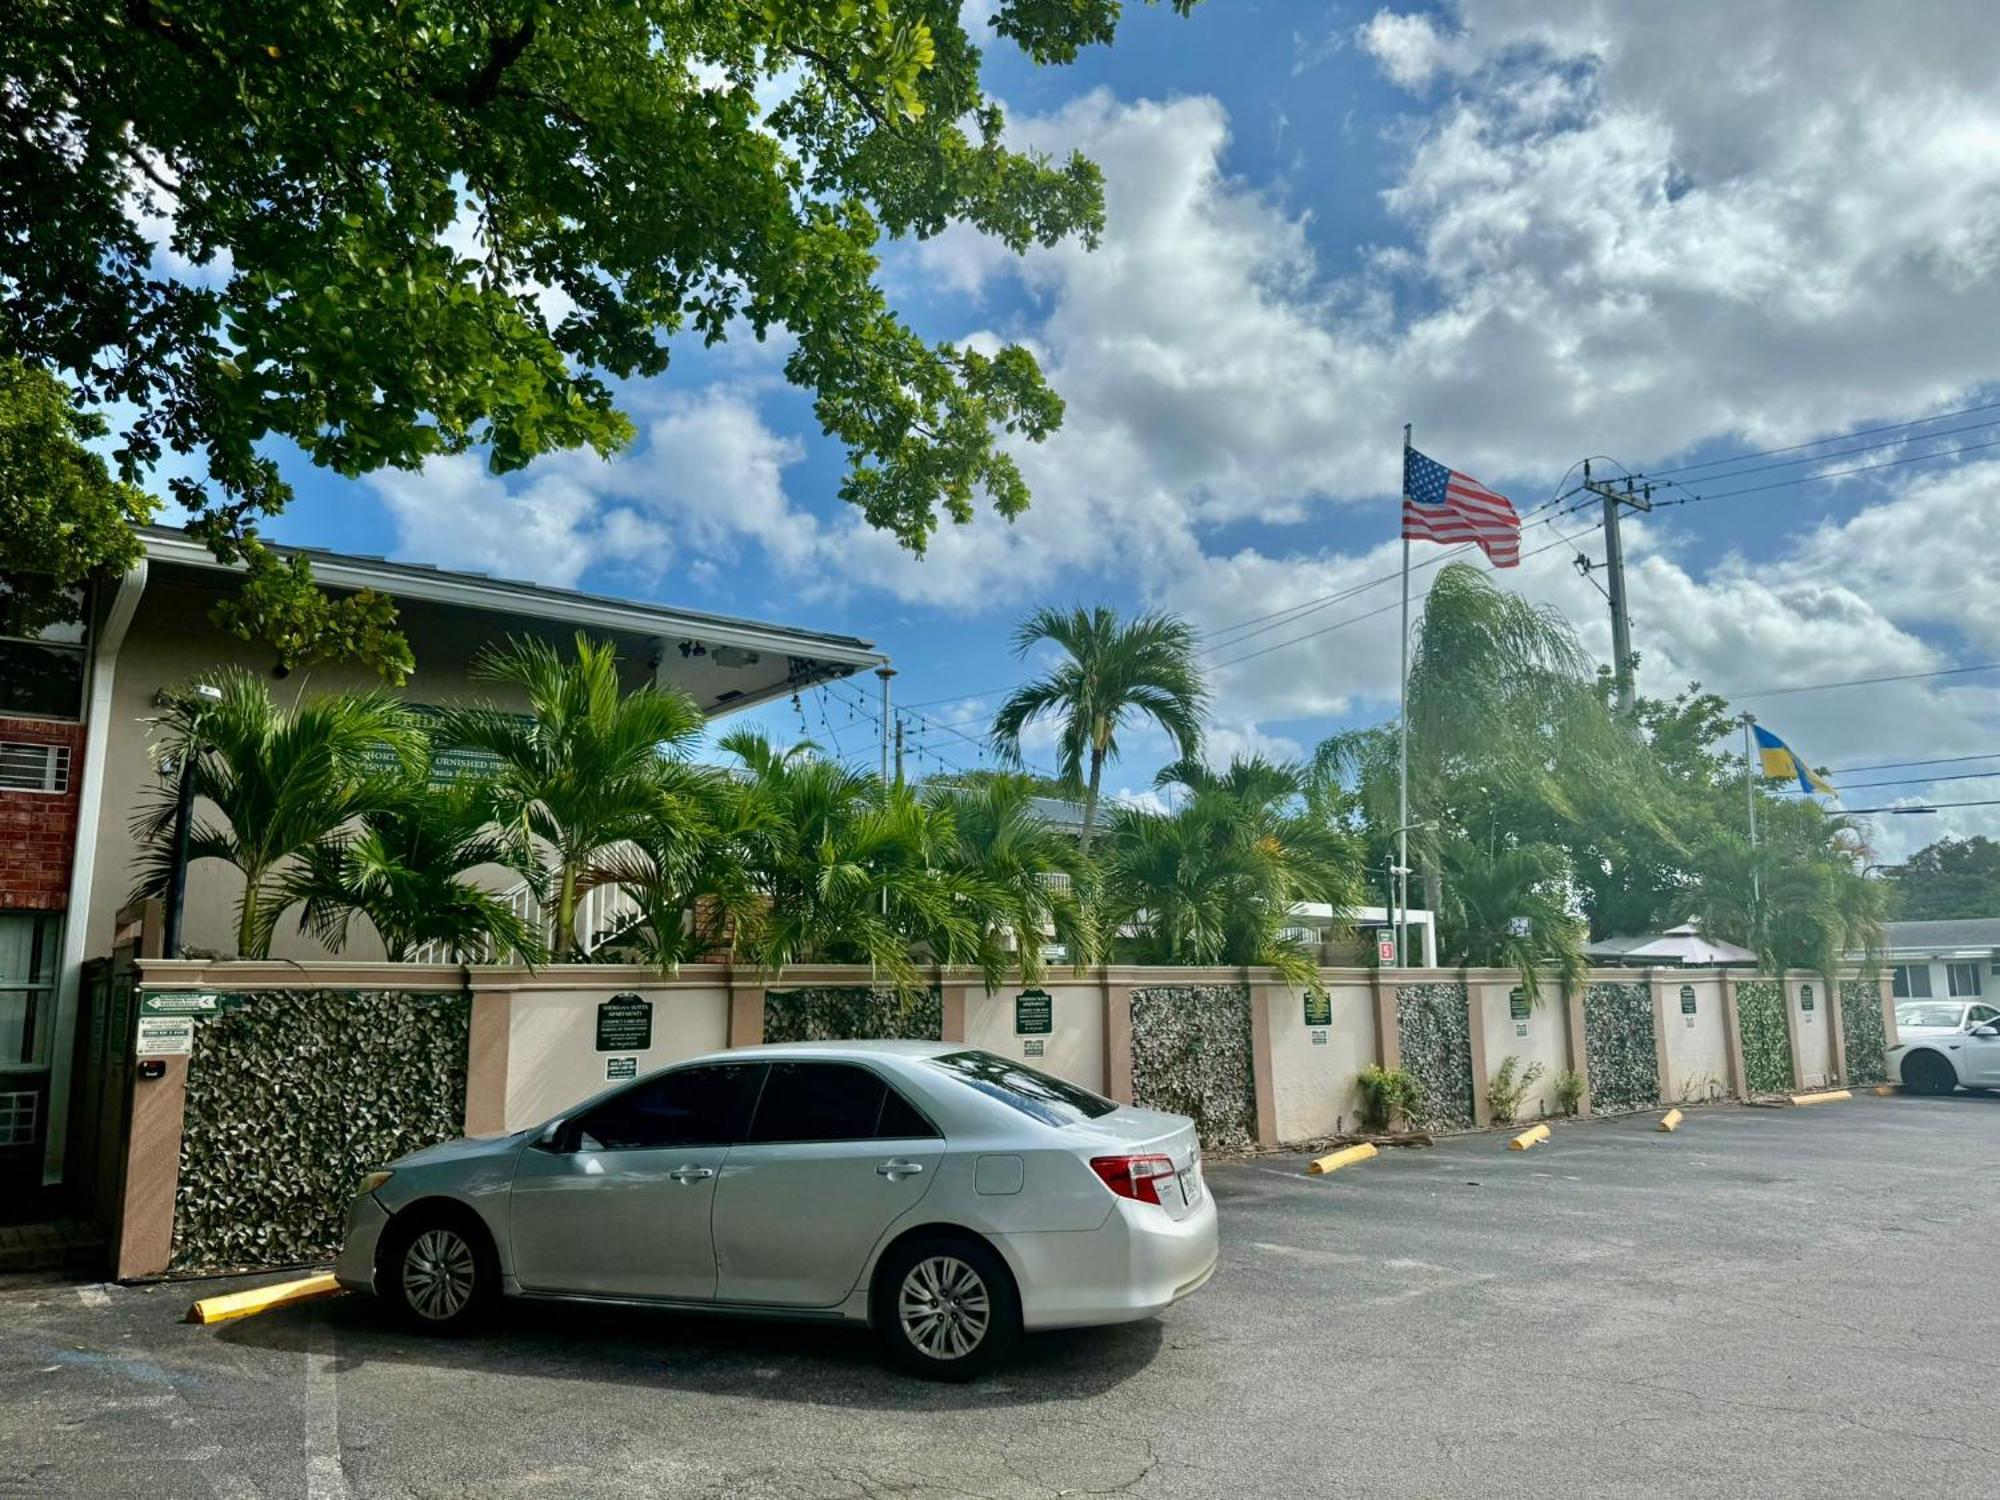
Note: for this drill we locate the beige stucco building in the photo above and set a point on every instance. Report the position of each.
(77, 760)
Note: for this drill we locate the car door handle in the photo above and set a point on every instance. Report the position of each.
(895, 1170)
(691, 1174)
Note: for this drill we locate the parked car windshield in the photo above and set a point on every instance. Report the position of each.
(1050, 1100)
(1929, 1015)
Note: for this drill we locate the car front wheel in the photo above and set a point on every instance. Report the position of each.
(439, 1273)
(945, 1307)
(1928, 1073)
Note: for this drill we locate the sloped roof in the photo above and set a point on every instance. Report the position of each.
(1937, 937)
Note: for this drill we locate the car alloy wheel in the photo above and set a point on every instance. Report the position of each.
(439, 1273)
(945, 1307)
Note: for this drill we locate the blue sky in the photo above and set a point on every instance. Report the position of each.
(1539, 231)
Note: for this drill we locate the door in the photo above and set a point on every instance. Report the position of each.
(618, 1204)
(1982, 1056)
(835, 1156)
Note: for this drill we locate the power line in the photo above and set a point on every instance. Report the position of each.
(1820, 458)
(1815, 687)
(1965, 411)
(1779, 484)
(1920, 807)
(1894, 765)
(1856, 786)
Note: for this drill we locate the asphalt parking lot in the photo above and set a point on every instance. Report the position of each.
(1768, 1302)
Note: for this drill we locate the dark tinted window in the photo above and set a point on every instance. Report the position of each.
(36, 678)
(692, 1107)
(900, 1120)
(1050, 1100)
(809, 1101)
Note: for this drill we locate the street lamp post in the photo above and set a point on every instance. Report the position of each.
(184, 820)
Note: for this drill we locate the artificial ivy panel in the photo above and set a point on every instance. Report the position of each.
(1861, 1030)
(291, 1097)
(1191, 1055)
(1436, 1046)
(1619, 1042)
(1767, 1046)
(852, 1014)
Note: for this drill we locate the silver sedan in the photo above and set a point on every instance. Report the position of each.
(947, 1197)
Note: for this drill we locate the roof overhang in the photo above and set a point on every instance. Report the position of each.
(763, 661)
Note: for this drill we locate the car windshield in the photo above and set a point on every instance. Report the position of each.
(1929, 1015)
(1050, 1100)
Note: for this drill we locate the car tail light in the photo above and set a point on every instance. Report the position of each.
(1134, 1177)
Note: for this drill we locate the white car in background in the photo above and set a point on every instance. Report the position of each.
(1937, 1062)
(946, 1197)
(1942, 1017)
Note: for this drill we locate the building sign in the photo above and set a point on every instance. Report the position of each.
(619, 1068)
(165, 1036)
(1319, 1009)
(1805, 998)
(1034, 1014)
(1319, 1038)
(448, 762)
(1033, 1048)
(1687, 999)
(178, 1003)
(1385, 948)
(624, 1024)
(1517, 1004)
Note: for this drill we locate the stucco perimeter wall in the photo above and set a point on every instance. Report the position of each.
(1812, 1030)
(1072, 1048)
(1313, 1067)
(1697, 1052)
(1542, 1036)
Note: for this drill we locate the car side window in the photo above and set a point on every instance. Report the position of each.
(825, 1101)
(707, 1106)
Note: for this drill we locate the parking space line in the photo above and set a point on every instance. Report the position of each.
(93, 1296)
(325, 1478)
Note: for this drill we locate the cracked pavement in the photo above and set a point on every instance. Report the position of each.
(1767, 1302)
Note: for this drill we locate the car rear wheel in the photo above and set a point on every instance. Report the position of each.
(945, 1307)
(439, 1272)
(1928, 1073)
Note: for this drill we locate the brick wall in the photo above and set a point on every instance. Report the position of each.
(38, 829)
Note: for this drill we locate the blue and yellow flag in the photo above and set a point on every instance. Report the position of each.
(1782, 763)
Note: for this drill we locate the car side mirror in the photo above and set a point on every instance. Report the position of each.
(1987, 1032)
(550, 1138)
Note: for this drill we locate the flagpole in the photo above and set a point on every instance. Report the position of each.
(1403, 747)
(1750, 801)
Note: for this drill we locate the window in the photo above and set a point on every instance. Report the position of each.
(1911, 981)
(1962, 980)
(1050, 1100)
(1980, 1015)
(27, 987)
(809, 1101)
(690, 1107)
(43, 674)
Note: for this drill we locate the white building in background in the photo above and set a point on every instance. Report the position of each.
(1942, 960)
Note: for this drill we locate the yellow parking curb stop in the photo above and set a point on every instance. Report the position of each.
(1830, 1096)
(1883, 1091)
(1346, 1157)
(1533, 1135)
(262, 1299)
(1671, 1120)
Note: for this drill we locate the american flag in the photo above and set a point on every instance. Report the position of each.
(1443, 505)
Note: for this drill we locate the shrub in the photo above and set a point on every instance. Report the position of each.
(1386, 1094)
(1569, 1090)
(1509, 1087)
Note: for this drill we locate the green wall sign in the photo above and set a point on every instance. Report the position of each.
(1687, 999)
(1805, 997)
(1034, 1013)
(624, 1024)
(1319, 1009)
(1517, 1004)
(178, 1003)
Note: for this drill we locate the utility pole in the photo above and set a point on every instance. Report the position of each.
(885, 672)
(1750, 801)
(1639, 498)
(899, 752)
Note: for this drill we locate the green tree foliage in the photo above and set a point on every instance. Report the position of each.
(584, 769)
(1798, 900)
(1509, 907)
(282, 780)
(416, 229)
(1950, 878)
(410, 867)
(63, 518)
(1113, 672)
(1214, 881)
(1039, 880)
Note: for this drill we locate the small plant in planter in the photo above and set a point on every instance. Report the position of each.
(1509, 1087)
(1388, 1096)
(1569, 1090)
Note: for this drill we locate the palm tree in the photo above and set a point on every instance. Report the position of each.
(405, 869)
(685, 871)
(282, 779)
(1508, 908)
(1798, 899)
(1217, 880)
(1114, 671)
(582, 773)
(1040, 875)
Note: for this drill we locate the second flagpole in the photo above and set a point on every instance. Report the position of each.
(1403, 748)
